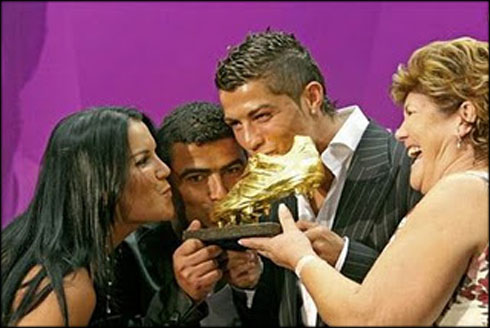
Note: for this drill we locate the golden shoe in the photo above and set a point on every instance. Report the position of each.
(269, 178)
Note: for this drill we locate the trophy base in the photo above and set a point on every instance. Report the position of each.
(227, 237)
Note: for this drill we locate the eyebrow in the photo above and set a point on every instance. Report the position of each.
(254, 111)
(143, 151)
(195, 170)
(235, 162)
(139, 153)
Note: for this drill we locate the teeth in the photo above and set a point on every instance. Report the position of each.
(414, 151)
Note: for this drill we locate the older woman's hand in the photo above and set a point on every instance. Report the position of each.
(286, 248)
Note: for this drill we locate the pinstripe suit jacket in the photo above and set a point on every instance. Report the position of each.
(376, 196)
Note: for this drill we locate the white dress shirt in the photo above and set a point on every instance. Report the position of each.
(337, 158)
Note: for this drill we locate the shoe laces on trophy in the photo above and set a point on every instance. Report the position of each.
(269, 178)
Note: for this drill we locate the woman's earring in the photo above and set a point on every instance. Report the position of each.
(458, 145)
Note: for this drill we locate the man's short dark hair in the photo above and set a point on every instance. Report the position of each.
(195, 122)
(275, 57)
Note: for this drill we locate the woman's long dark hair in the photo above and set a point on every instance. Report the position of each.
(68, 223)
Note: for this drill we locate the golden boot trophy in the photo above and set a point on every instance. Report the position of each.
(265, 180)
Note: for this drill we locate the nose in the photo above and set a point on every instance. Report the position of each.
(217, 189)
(401, 133)
(252, 139)
(163, 171)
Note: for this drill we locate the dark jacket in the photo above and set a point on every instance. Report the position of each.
(375, 197)
(145, 292)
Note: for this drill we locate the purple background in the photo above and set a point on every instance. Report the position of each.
(60, 57)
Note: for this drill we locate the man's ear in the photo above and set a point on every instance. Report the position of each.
(467, 115)
(313, 95)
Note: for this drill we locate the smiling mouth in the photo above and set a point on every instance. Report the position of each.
(414, 152)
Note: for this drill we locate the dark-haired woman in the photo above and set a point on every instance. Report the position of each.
(100, 179)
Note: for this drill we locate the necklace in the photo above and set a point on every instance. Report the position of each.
(111, 279)
(108, 290)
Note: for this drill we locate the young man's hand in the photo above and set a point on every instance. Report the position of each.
(196, 267)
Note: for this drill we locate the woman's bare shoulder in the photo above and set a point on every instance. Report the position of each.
(80, 297)
(463, 186)
(459, 203)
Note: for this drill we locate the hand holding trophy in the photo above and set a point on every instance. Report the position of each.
(265, 180)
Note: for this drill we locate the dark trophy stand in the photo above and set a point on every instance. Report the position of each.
(265, 180)
(227, 237)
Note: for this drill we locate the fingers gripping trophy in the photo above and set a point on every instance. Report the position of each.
(266, 179)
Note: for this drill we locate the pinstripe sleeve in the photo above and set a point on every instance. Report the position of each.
(359, 260)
